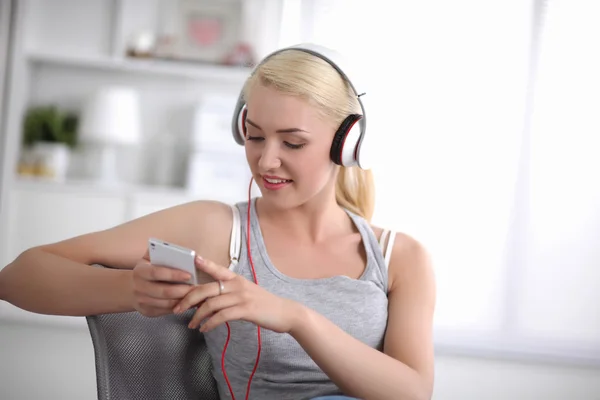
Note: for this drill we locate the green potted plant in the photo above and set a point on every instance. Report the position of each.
(49, 135)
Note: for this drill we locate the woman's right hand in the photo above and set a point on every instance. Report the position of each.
(156, 290)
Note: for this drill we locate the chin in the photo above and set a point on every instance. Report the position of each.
(280, 199)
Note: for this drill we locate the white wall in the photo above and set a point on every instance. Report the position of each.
(38, 362)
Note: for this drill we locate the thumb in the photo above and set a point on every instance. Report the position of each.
(218, 272)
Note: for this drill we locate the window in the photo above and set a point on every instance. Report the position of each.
(469, 168)
(561, 276)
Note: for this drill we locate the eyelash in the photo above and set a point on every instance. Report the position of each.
(290, 145)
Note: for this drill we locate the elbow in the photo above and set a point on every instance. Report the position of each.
(424, 390)
(418, 393)
(2, 286)
(9, 274)
(5, 273)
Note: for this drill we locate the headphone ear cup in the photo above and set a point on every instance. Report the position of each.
(345, 141)
(240, 129)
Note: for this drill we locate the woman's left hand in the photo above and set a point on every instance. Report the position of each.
(241, 299)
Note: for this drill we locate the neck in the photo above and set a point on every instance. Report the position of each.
(313, 222)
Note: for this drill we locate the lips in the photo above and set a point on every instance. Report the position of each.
(275, 179)
(275, 182)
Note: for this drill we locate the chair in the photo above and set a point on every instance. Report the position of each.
(139, 357)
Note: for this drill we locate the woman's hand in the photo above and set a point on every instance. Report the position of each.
(239, 299)
(155, 288)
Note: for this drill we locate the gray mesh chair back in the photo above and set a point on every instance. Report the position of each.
(138, 357)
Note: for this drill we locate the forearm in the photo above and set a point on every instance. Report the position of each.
(45, 283)
(357, 369)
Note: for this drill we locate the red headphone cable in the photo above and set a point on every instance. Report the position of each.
(257, 326)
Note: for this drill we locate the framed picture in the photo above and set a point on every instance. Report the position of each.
(208, 30)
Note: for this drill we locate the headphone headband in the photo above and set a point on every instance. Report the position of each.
(342, 66)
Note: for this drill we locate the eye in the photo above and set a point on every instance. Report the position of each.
(294, 146)
(254, 138)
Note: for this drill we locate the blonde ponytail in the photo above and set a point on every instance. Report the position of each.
(355, 191)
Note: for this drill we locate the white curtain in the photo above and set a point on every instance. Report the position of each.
(561, 279)
(445, 113)
(506, 200)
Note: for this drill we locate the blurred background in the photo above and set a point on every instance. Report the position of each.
(484, 131)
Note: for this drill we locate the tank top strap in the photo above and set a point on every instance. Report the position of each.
(372, 247)
(235, 241)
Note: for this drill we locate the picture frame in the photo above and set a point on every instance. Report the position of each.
(208, 30)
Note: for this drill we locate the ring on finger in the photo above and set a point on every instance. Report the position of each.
(221, 287)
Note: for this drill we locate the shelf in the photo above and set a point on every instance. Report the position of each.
(146, 194)
(177, 69)
(95, 188)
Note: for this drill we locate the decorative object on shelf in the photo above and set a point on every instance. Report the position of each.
(208, 30)
(111, 119)
(165, 47)
(241, 56)
(141, 44)
(48, 137)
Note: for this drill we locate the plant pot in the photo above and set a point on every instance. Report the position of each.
(51, 160)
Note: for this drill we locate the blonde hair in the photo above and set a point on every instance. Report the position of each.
(301, 74)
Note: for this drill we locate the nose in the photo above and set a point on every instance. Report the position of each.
(269, 157)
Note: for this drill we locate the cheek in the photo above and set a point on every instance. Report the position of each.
(252, 156)
(315, 166)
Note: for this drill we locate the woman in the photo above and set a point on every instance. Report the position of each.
(335, 318)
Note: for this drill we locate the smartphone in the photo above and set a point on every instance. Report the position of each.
(173, 256)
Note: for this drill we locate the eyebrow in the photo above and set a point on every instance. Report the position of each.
(287, 130)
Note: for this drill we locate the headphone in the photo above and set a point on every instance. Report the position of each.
(349, 137)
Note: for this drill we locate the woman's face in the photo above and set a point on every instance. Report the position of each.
(287, 147)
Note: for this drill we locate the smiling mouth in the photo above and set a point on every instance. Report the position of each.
(277, 181)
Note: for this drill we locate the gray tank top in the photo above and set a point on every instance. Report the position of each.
(285, 371)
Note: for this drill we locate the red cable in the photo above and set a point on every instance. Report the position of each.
(223, 360)
(257, 326)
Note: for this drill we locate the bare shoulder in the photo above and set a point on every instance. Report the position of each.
(409, 259)
(410, 263)
(200, 225)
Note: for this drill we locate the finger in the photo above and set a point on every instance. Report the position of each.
(205, 291)
(153, 312)
(197, 295)
(218, 272)
(164, 274)
(154, 303)
(159, 290)
(212, 306)
(225, 315)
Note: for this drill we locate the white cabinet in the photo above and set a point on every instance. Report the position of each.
(40, 217)
(43, 212)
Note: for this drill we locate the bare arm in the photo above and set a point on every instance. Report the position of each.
(405, 369)
(45, 283)
(57, 278)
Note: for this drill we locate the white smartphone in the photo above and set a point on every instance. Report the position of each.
(173, 256)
